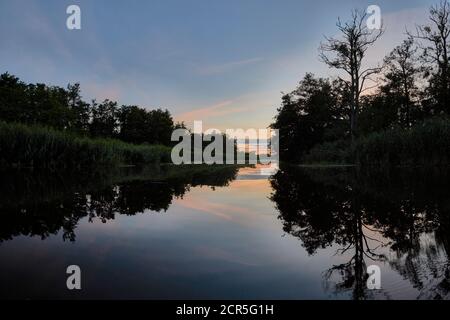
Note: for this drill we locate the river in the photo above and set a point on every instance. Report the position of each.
(297, 233)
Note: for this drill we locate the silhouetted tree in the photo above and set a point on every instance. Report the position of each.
(434, 40)
(308, 115)
(160, 126)
(13, 99)
(400, 80)
(104, 119)
(81, 112)
(134, 123)
(379, 112)
(347, 54)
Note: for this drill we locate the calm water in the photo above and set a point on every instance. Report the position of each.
(161, 233)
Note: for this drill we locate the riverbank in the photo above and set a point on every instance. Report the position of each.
(44, 148)
(424, 144)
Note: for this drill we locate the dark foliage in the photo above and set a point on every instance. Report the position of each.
(64, 109)
(400, 120)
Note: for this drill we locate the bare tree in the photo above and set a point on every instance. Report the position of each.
(347, 53)
(434, 40)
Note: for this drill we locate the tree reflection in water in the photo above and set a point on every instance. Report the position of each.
(34, 204)
(400, 217)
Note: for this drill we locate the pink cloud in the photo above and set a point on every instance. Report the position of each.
(217, 110)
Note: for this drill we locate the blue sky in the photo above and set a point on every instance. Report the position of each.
(221, 61)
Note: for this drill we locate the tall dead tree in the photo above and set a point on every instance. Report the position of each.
(434, 40)
(347, 53)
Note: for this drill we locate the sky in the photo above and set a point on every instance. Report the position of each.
(224, 62)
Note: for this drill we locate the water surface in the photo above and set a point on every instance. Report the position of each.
(226, 234)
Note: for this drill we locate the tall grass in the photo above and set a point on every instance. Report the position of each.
(425, 144)
(34, 146)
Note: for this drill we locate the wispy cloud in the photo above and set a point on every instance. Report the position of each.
(216, 110)
(226, 67)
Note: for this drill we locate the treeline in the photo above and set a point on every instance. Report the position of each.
(53, 127)
(64, 109)
(332, 120)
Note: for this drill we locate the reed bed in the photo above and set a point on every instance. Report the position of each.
(41, 147)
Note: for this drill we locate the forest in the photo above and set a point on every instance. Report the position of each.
(393, 113)
(53, 127)
(64, 109)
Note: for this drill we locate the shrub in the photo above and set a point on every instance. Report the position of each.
(336, 152)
